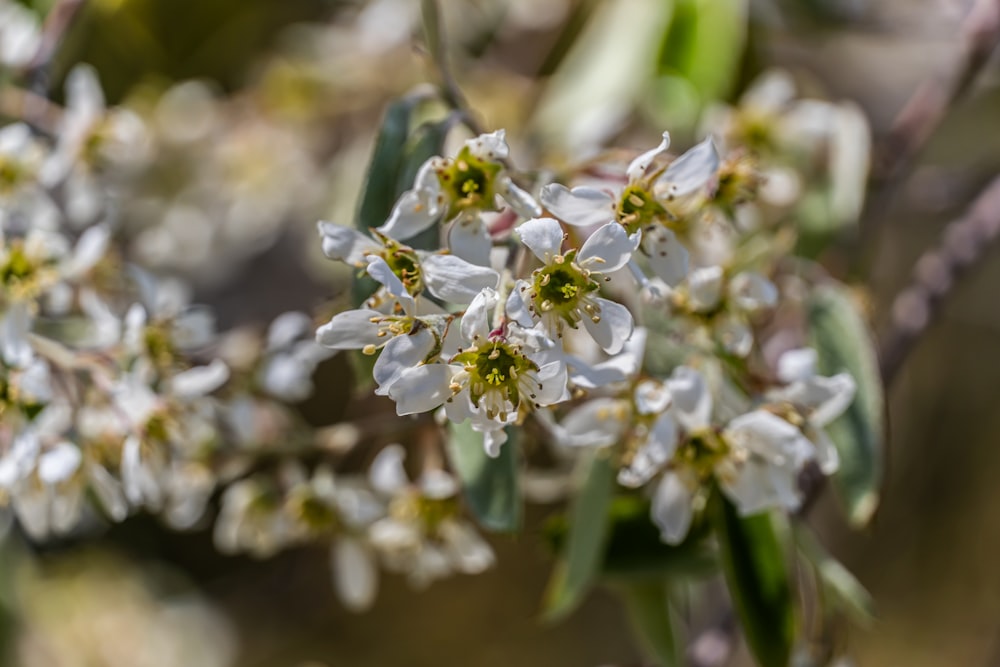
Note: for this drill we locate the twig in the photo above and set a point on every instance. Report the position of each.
(57, 24)
(963, 243)
(925, 110)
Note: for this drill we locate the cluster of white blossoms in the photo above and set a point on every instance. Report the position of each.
(631, 310)
(486, 329)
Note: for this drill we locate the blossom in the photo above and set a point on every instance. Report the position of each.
(563, 291)
(645, 203)
(458, 190)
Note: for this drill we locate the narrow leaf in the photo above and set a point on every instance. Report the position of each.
(490, 484)
(381, 183)
(843, 343)
(757, 577)
(585, 544)
(649, 611)
(847, 593)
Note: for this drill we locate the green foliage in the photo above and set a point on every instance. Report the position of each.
(587, 535)
(843, 592)
(648, 605)
(491, 486)
(753, 561)
(843, 343)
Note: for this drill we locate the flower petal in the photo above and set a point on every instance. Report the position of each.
(520, 200)
(419, 208)
(354, 575)
(421, 389)
(668, 258)
(453, 279)
(475, 322)
(671, 509)
(543, 236)
(200, 380)
(59, 463)
(346, 244)
(597, 423)
(690, 172)
(637, 168)
(705, 288)
(469, 239)
(386, 473)
(380, 271)
(654, 453)
(350, 330)
(490, 147)
(608, 249)
(580, 207)
(752, 292)
(797, 364)
(613, 326)
(400, 354)
(692, 404)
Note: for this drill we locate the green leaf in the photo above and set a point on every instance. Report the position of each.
(757, 577)
(843, 343)
(491, 485)
(649, 611)
(845, 591)
(382, 181)
(426, 142)
(585, 544)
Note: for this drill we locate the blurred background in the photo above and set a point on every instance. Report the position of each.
(269, 110)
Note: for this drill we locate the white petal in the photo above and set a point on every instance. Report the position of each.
(286, 328)
(346, 244)
(89, 250)
(690, 172)
(399, 354)
(551, 384)
(751, 292)
(637, 168)
(608, 249)
(354, 575)
(380, 271)
(522, 202)
(597, 423)
(759, 485)
(827, 455)
(831, 396)
(654, 453)
(386, 473)
(614, 327)
(490, 147)
(797, 364)
(453, 279)
(651, 397)
(59, 463)
(734, 334)
(619, 368)
(200, 380)
(108, 491)
(515, 308)
(419, 208)
(437, 484)
(350, 330)
(14, 327)
(493, 440)
(469, 239)
(580, 207)
(764, 434)
(543, 236)
(475, 322)
(705, 288)
(421, 389)
(469, 552)
(692, 404)
(668, 258)
(671, 509)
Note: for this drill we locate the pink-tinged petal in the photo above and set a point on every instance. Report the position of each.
(453, 279)
(637, 168)
(690, 172)
(345, 244)
(580, 207)
(613, 326)
(608, 249)
(543, 236)
(421, 389)
(672, 509)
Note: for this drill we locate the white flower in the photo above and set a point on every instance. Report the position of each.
(563, 292)
(644, 204)
(20, 36)
(459, 189)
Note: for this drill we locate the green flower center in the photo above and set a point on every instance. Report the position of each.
(702, 451)
(402, 261)
(495, 369)
(560, 287)
(469, 182)
(638, 208)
